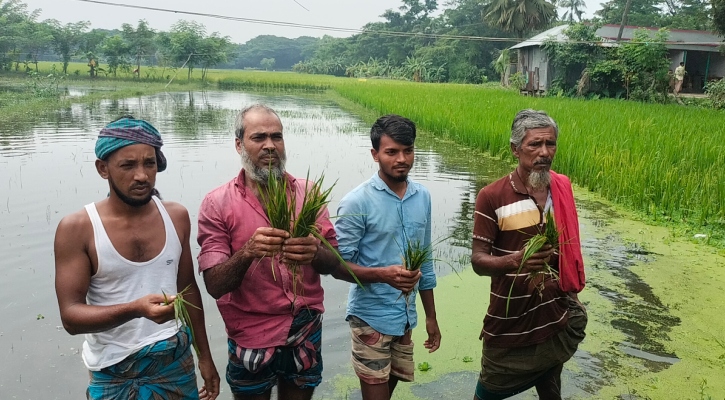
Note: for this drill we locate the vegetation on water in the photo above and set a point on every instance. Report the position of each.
(424, 366)
(550, 237)
(181, 313)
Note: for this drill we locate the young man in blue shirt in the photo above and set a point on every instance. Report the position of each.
(379, 218)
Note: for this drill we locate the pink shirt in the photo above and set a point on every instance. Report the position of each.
(259, 313)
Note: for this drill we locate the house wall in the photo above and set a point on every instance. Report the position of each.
(717, 66)
(535, 57)
(676, 57)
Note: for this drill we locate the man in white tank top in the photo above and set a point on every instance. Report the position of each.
(115, 260)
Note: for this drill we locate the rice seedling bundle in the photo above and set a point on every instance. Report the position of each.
(414, 256)
(550, 236)
(181, 314)
(281, 208)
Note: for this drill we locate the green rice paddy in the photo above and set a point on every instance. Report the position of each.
(664, 161)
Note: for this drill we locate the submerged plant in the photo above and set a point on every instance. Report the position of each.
(181, 314)
(550, 236)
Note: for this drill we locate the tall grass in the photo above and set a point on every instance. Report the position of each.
(664, 160)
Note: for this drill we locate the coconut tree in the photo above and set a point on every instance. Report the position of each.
(520, 16)
(574, 9)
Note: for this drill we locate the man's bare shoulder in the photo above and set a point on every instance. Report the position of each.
(76, 226)
(176, 211)
(77, 220)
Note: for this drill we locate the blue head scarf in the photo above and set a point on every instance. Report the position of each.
(126, 131)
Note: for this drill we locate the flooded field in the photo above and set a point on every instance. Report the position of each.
(47, 172)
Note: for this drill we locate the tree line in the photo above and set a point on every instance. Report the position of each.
(24, 41)
(418, 41)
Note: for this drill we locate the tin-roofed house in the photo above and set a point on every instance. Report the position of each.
(699, 50)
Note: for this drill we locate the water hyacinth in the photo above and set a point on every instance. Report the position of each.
(181, 314)
(550, 236)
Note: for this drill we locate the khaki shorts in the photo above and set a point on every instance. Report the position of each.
(376, 356)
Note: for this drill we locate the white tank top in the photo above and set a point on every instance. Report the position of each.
(118, 281)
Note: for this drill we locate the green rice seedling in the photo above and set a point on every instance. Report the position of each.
(181, 314)
(550, 236)
(414, 256)
(281, 208)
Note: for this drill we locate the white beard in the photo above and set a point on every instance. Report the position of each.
(539, 179)
(261, 175)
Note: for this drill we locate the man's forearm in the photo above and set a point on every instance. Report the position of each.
(364, 274)
(429, 305)
(197, 322)
(325, 261)
(488, 265)
(84, 318)
(228, 275)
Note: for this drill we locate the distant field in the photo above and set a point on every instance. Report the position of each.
(666, 161)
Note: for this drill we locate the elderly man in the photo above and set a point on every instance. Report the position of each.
(115, 262)
(273, 316)
(534, 321)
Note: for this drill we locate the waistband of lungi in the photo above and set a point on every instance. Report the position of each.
(304, 341)
(166, 366)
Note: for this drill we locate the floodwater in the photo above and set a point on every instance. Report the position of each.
(47, 171)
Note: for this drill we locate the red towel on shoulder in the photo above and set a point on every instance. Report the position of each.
(571, 264)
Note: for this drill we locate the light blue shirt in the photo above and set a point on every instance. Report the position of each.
(372, 227)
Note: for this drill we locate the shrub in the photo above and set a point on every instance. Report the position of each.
(716, 93)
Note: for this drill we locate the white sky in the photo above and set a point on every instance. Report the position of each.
(336, 13)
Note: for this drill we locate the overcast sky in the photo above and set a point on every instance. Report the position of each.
(336, 13)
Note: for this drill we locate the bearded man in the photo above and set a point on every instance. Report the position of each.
(273, 318)
(534, 321)
(115, 263)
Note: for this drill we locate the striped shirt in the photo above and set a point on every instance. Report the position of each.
(506, 217)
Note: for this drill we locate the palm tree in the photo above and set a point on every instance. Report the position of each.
(520, 16)
(574, 9)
